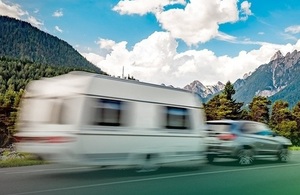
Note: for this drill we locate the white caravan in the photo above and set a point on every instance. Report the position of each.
(92, 119)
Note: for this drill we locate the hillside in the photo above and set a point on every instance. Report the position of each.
(20, 40)
(258, 81)
(278, 80)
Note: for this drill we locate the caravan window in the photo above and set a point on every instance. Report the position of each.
(177, 118)
(67, 111)
(108, 112)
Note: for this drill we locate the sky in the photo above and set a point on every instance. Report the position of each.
(173, 42)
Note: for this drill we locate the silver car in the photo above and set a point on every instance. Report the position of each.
(245, 141)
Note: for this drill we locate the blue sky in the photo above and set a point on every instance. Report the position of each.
(169, 41)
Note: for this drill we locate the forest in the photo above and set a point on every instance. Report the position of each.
(16, 74)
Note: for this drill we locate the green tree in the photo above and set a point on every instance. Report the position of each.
(280, 112)
(8, 112)
(259, 109)
(283, 121)
(296, 115)
(222, 106)
(229, 90)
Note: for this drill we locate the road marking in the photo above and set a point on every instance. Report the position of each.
(45, 170)
(155, 178)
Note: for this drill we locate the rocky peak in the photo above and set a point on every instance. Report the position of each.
(246, 75)
(204, 91)
(277, 55)
(194, 85)
(220, 83)
(291, 58)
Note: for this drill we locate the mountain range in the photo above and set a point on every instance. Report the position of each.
(278, 80)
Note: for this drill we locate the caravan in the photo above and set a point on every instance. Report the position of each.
(92, 119)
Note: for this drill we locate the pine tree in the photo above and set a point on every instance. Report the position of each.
(259, 109)
(222, 106)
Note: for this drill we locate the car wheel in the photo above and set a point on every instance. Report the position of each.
(210, 158)
(245, 157)
(283, 155)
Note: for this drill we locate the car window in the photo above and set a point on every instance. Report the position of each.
(219, 127)
(256, 128)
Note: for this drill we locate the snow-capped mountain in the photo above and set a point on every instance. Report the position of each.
(204, 92)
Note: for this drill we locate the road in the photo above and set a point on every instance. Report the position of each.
(224, 177)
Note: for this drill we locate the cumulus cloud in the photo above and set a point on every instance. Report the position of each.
(156, 60)
(58, 29)
(15, 11)
(293, 29)
(58, 13)
(197, 22)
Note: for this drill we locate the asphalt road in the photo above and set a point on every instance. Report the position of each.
(266, 177)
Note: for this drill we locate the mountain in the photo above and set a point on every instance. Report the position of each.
(205, 92)
(20, 40)
(278, 80)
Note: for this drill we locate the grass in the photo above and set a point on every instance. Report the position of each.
(294, 148)
(20, 162)
(26, 160)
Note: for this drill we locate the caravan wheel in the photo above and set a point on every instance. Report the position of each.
(149, 164)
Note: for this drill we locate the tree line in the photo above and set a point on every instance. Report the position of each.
(278, 116)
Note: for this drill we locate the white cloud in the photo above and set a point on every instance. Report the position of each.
(11, 10)
(106, 44)
(15, 11)
(142, 7)
(293, 29)
(156, 60)
(245, 10)
(58, 29)
(35, 22)
(92, 57)
(225, 37)
(58, 13)
(197, 22)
